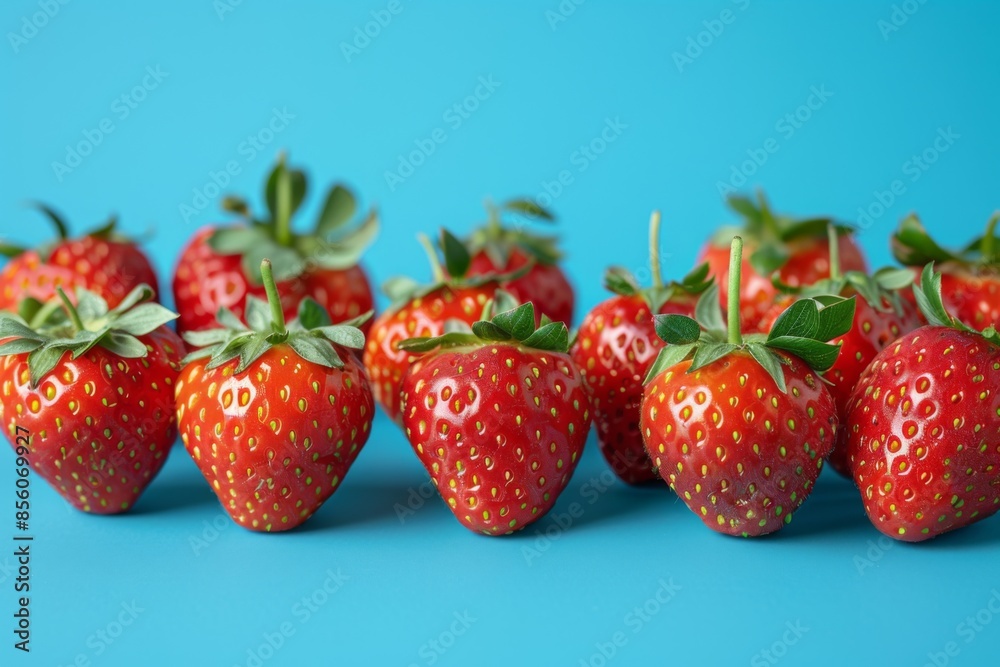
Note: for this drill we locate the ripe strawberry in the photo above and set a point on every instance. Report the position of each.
(498, 417)
(924, 426)
(220, 267)
(970, 278)
(614, 348)
(740, 430)
(274, 415)
(881, 316)
(496, 248)
(798, 250)
(95, 389)
(423, 311)
(101, 261)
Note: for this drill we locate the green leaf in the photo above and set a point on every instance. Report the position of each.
(669, 356)
(768, 258)
(90, 306)
(677, 329)
(400, 288)
(286, 263)
(553, 337)
(504, 301)
(709, 353)
(928, 295)
(528, 208)
(228, 319)
(297, 180)
(697, 280)
(801, 319)
(316, 350)
(10, 327)
(251, 350)
(338, 209)
(769, 362)
(489, 331)
(423, 344)
(20, 346)
(619, 281)
(42, 361)
(196, 354)
(519, 322)
(83, 341)
(124, 345)
(206, 337)
(836, 319)
(456, 256)
(912, 245)
(342, 335)
(143, 319)
(138, 294)
(820, 356)
(237, 205)
(312, 315)
(889, 278)
(10, 251)
(57, 221)
(708, 311)
(258, 314)
(236, 240)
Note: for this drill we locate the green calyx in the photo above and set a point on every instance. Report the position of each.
(620, 281)
(928, 295)
(803, 329)
(503, 321)
(913, 246)
(106, 231)
(331, 244)
(46, 331)
(498, 240)
(771, 233)
(311, 334)
(449, 269)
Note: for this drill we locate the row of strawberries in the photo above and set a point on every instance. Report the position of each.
(816, 360)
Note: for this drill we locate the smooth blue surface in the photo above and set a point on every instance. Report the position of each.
(535, 599)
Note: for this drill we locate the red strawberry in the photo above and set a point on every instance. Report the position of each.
(924, 426)
(100, 261)
(274, 415)
(219, 268)
(740, 431)
(423, 311)
(798, 250)
(970, 278)
(498, 417)
(881, 316)
(614, 348)
(95, 389)
(496, 248)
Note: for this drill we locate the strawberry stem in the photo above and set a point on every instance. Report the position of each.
(70, 309)
(273, 299)
(283, 205)
(834, 240)
(735, 267)
(989, 241)
(654, 249)
(436, 271)
(493, 226)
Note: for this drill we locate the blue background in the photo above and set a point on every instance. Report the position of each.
(534, 598)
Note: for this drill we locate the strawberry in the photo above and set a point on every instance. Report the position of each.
(970, 278)
(614, 348)
(798, 250)
(95, 388)
(739, 426)
(274, 415)
(101, 261)
(881, 316)
(924, 425)
(423, 311)
(497, 248)
(220, 267)
(498, 416)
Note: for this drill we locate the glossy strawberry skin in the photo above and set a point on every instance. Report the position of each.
(973, 298)
(110, 269)
(614, 349)
(924, 433)
(545, 285)
(741, 454)
(870, 333)
(500, 429)
(422, 316)
(276, 441)
(809, 262)
(204, 281)
(101, 426)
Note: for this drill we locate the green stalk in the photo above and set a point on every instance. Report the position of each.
(493, 226)
(283, 204)
(834, 239)
(654, 249)
(436, 270)
(735, 267)
(70, 309)
(989, 241)
(273, 299)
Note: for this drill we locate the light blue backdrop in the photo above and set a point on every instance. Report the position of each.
(632, 105)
